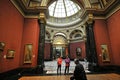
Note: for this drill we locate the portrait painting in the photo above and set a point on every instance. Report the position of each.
(105, 53)
(78, 52)
(28, 53)
(2, 45)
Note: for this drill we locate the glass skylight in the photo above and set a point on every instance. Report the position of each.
(63, 8)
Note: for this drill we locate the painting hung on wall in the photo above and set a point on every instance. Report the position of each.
(10, 54)
(2, 45)
(105, 53)
(28, 53)
(78, 51)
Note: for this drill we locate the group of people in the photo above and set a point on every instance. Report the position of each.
(67, 64)
(79, 72)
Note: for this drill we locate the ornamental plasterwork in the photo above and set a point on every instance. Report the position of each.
(67, 32)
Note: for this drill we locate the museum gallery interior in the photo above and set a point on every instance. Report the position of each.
(33, 33)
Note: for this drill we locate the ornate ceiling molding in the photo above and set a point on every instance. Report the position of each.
(32, 8)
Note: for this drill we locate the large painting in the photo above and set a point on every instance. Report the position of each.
(105, 53)
(28, 53)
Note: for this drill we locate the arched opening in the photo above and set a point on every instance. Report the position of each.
(59, 45)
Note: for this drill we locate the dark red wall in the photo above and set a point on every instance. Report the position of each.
(47, 51)
(16, 32)
(113, 23)
(11, 28)
(107, 32)
(101, 38)
(30, 36)
(73, 47)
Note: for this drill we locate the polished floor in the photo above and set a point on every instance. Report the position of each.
(51, 67)
(108, 76)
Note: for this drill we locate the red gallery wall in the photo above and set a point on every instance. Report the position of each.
(102, 38)
(47, 51)
(113, 23)
(30, 36)
(73, 47)
(11, 28)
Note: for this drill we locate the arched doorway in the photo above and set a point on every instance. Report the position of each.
(59, 45)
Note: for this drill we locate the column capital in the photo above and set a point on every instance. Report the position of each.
(90, 19)
(42, 17)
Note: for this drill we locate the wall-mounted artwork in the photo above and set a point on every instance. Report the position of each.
(28, 53)
(10, 54)
(2, 45)
(105, 53)
(78, 51)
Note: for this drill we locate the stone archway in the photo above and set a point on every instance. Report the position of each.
(59, 46)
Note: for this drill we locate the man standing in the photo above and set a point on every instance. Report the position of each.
(79, 72)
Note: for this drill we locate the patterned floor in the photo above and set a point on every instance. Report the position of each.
(51, 67)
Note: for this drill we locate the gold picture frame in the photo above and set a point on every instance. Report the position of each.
(10, 54)
(28, 53)
(105, 53)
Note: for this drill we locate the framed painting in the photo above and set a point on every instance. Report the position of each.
(78, 51)
(105, 53)
(10, 54)
(2, 45)
(28, 53)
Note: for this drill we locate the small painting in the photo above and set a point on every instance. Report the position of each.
(2, 45)
(28, 53)
(105, 53)
(10, 54)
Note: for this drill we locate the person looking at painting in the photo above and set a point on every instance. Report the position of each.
(59, 63)
(79, 72)
(67, 65)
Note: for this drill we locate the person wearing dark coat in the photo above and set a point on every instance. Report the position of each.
(79, 72)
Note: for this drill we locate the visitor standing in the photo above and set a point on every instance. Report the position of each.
(67, 65)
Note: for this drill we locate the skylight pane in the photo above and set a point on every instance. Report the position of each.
(60, 9)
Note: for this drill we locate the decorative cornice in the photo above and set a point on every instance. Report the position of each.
(18, 7)
(115, 9)
(33, 12)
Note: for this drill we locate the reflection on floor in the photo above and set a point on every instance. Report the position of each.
(108, 76)
(51, 67)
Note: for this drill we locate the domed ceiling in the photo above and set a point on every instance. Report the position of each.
(63, 13)
(32, 8)
(66, 16)
(63, 8)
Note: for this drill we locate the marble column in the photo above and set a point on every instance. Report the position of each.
(90, 46)
(41, 45)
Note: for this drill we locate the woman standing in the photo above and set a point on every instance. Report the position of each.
(59, 63)
(67, 65)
